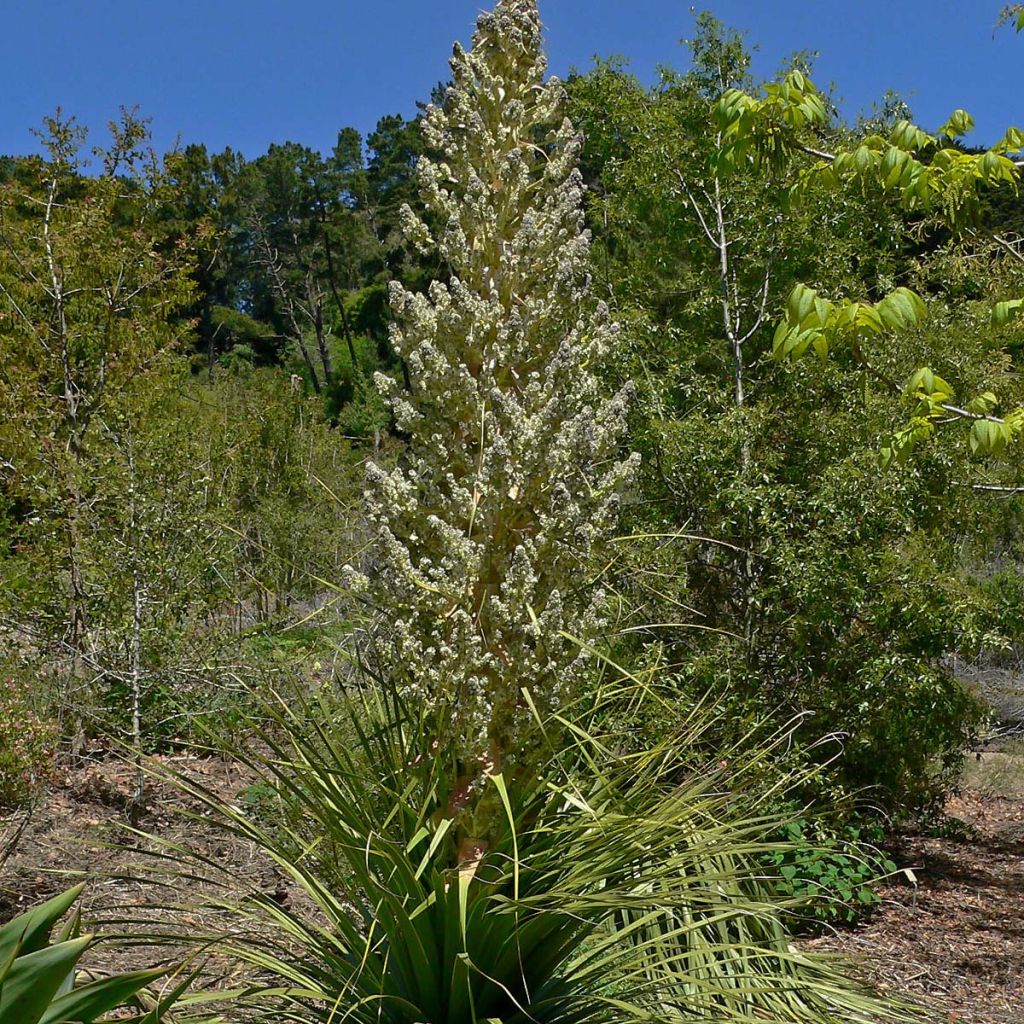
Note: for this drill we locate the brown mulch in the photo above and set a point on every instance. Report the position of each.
(79, 832)
(953, 937)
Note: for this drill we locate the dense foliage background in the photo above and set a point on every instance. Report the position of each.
(588, 514)
(188, 346)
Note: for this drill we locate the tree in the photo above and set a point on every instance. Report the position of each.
(157, 559)
(309, 243)
(769, 561)
(935, 179)
(486, 535)
(91, 292)
(395, 147)
(281, 217)
(202, 206)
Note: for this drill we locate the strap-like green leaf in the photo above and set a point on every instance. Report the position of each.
(85, 1004)
(34, 980)
(31, 930)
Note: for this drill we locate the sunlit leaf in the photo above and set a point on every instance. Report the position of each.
(1004, 312)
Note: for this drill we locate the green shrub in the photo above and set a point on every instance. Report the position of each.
(830, 872)
(26, 745)
(261, 803)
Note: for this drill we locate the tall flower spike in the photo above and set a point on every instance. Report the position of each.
(486, 536)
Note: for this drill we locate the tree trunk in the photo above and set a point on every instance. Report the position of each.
(316, 303)
(138, 803)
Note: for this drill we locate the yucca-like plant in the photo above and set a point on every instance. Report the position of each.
(464, 848)
(615, 888)
(37, 975)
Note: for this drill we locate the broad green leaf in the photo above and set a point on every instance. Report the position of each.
(88, 1002)
(782, 332)
(802, 342)
(863, 159)
(960, 123)
(902, 309)
(1004, 312)
(801, 302)
(1011, 142)
(909, 137)
(983, 404)
(893, 165)
(989, 437)
(926, 382)
(35, 979)
(869, 319)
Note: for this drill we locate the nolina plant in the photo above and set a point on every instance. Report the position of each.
(449, 868)
(487, 533)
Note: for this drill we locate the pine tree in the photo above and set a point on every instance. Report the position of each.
(488, 533)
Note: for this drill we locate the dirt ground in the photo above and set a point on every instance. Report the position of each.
(79, 832)
(950, 933)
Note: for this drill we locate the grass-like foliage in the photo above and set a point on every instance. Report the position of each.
(618, 887)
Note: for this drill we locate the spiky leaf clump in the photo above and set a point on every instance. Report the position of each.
(628, 893)
(487, 534)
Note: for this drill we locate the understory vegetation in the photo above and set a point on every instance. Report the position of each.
(591, 511)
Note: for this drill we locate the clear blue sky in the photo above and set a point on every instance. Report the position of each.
(244, 73)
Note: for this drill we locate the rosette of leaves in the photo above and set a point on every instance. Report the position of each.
(617, 887)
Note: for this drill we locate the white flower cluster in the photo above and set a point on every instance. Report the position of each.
(486, 535)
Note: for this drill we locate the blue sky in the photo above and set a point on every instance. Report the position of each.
(244, 73)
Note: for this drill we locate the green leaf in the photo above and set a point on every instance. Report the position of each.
(34, 980)
(801, 302)
(156, 1005)
(863, 159)
(902, 309)
(779, 340)
(893, 166)
(31, 930)
(959, 124)
(1004, 312)
(869, 319)
(928, 383)
(85, 1004)
(1012, 141)
(983, 404)
(989, 437)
